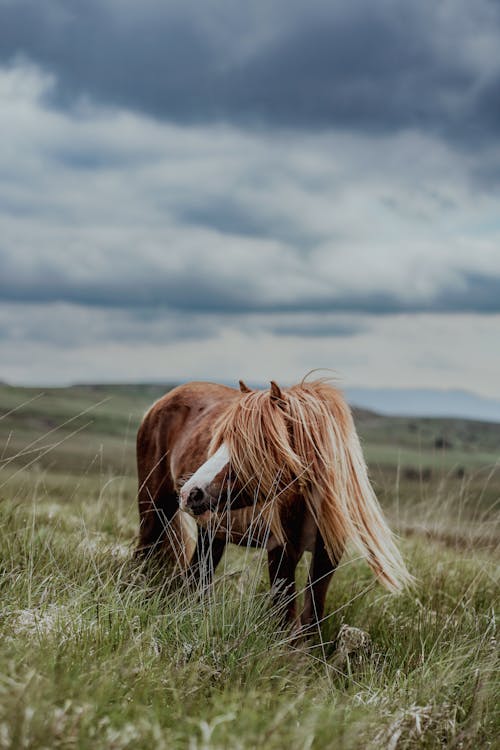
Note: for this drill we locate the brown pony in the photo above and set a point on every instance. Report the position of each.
(280, 469)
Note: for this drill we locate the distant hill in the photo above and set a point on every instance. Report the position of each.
(94, 426)
(403, 402)
(423, 402)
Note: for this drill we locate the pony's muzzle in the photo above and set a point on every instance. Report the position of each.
(196, 501)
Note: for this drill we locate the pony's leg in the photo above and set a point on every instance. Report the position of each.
(320, 575)
(206, 557)
(158, 504)
(282, 566)
(156, 510)
(159, 528)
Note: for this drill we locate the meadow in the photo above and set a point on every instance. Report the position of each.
(97, 651)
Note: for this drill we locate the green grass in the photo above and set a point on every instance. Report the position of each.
(98, 652)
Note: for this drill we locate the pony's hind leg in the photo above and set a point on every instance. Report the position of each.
(282, 566)
(320, 574)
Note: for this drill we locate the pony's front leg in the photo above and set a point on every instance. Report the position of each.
(320, 574)
(282, 566)
(206, 557)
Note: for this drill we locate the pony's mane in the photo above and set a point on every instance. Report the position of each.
(305, 443)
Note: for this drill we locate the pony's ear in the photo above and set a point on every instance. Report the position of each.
(244, 387)
(276, 395)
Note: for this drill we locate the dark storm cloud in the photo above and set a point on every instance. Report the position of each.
(228, 215)
(374, 67)
(94, 157)
(483, 293)
(177, 291)
(42, 324)
(318, 329)
(189, 292)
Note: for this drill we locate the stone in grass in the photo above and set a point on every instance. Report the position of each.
(353, 644)
(419, 726)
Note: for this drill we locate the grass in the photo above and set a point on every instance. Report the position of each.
(99, 652)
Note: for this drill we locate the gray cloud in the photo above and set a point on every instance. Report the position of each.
(116, 211)
(151, 286)
(318, 328)
(479, 293)
(374, 68)
(231, 215)
(71, 326)
(64, 326)
(177, 291)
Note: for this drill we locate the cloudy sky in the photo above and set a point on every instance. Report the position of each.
(222, 190)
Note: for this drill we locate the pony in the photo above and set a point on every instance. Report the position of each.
(280, 469)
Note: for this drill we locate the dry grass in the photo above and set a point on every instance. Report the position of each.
(98, 652)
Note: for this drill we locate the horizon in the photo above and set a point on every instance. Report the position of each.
(453, 403)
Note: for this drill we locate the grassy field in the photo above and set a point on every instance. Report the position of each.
(97, 652)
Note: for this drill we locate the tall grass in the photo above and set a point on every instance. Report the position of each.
(99, 651)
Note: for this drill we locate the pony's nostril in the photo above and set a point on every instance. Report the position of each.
(195, 496)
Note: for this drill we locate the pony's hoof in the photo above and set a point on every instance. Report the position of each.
(302, 631)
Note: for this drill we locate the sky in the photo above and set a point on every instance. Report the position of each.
(220, 190)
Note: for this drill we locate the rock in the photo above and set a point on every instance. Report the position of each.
(352, 645)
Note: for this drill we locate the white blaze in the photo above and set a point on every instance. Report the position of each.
(205, 474)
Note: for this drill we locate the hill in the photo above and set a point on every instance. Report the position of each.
(67, 423)
(427, 402)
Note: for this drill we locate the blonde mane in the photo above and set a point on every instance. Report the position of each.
(303, 442)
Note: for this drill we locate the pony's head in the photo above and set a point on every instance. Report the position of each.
(210, 487)
(253, 456)
(215, 485)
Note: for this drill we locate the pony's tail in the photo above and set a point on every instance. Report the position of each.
(351, 512)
